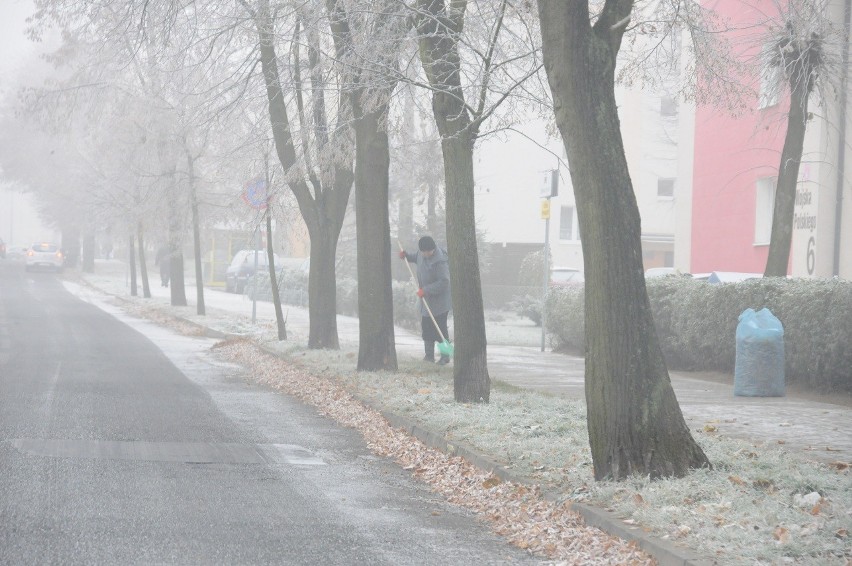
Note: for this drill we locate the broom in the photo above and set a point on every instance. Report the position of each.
(444, 346)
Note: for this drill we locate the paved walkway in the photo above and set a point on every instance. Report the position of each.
(816, 427)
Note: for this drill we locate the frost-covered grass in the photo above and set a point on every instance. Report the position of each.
(759, 505)
(748, 510)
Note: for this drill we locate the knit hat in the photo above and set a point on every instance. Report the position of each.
(426, 244)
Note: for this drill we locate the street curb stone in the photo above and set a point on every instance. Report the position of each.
(664, 552)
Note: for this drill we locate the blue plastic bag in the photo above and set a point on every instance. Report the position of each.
(759, 367)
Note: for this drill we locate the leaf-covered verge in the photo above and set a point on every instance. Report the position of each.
(696, 322)
(759, 505)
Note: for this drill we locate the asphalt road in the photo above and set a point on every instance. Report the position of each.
(123, 443)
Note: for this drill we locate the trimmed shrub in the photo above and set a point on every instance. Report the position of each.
(527, 306)
(565, 318)
(696, 323)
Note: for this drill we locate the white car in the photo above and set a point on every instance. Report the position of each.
(45, 255)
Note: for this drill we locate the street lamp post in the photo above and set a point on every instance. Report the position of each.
(549, 189)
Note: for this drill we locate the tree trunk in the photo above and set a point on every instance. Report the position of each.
(635, 423)
(431, 208)
(323, 211)
(471, 382)
(273, 279)
(439, 55)
(322, 291)
(132, 261)
(177, 285)
(376, 341)
(196, 239)
(143, 267)
(788, 175)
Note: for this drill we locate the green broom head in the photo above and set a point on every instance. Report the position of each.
(445, 348)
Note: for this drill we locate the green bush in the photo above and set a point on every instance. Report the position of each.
(565, 318)
(293, 290)
(527, 306)
(696, 323)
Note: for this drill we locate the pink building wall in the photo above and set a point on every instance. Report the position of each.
(731, 154)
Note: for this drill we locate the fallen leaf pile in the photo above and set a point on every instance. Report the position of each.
(516, 512)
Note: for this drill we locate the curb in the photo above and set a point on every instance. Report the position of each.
(666, 553)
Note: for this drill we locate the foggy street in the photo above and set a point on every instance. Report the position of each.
(122, 442)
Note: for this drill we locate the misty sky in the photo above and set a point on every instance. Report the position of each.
(13, 44)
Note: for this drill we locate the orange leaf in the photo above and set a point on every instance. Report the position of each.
(736, 480)
(781, 534)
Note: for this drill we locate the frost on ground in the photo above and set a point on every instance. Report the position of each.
(759, 505)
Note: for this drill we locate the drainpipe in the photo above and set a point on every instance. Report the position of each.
(841, 143)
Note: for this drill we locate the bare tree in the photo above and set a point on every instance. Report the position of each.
(807, 48)
(635, 423)
(440, 28)
(365, 43)
(321, 192)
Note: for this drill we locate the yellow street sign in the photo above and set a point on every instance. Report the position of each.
(545, 209)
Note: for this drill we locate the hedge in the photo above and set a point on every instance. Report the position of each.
(696, 322)
(293, 290)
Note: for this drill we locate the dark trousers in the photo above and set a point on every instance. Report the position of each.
(430, 334)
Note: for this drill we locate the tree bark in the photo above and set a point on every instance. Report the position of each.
(322, 291)
(177, 283)
(323, 211)
(273, 279)
(783, 210)
(439, 56)
(634, 420)
(132, 261)
(369, 96)
(143, 267)
(196, 238)
(377, 345)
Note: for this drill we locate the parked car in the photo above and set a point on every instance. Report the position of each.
(566, 276)
(16, 252)
(45, 255)
(242, 268)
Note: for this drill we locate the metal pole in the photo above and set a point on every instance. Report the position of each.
(546, 270)
(254, 291)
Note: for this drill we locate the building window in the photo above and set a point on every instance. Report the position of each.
(665, 188)
(765, 204)
(567, 223)
(668, 106)
(770, 76)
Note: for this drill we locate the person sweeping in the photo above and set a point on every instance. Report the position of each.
(433, 278)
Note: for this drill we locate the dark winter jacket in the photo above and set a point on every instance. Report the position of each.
(433, 274)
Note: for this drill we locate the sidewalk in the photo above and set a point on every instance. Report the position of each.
(807, 425)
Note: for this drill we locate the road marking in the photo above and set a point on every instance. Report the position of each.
(186, 452)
